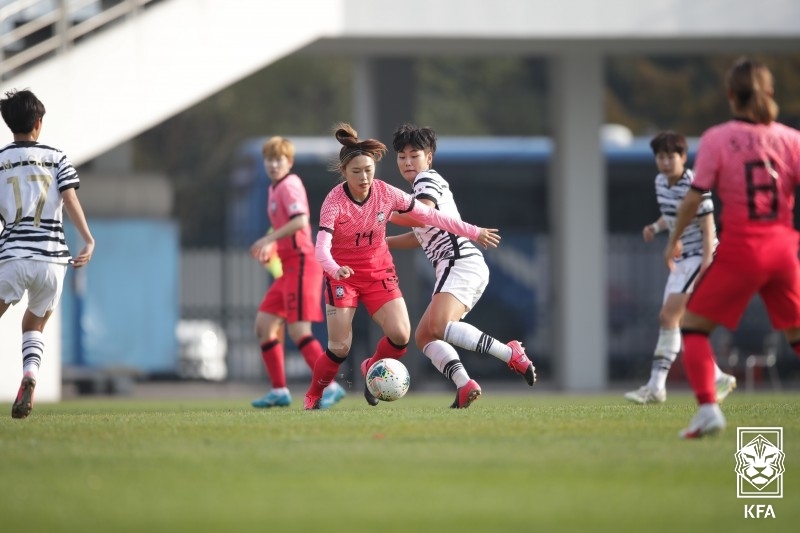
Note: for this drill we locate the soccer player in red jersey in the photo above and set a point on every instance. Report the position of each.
(351, 247)
(294, 298)
(753, 163)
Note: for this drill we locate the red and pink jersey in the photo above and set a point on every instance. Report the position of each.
(754, 169)
(359, 228)
(288, 199)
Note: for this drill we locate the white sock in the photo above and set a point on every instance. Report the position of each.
(471, 338)
(32, 352)
(667, 348)
(445, 358)
(281, 390)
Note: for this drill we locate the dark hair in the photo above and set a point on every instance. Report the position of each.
(417, 138)
(352, 146)
(21, 110)
(750, 84)
(669, 142)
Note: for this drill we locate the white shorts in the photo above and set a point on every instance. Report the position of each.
(681, 281)
(44, 282)
(464, 278)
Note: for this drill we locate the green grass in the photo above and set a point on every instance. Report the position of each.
(535, 462)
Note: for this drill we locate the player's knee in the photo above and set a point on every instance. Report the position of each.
(339, 348)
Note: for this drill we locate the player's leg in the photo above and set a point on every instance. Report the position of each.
(666, 351)
(445, 358)
(459, 286)
(392, 317)
(340, 338)
(269, 330)
(45, 283)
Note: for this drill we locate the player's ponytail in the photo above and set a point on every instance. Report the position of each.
(352, 146)
(750, 88)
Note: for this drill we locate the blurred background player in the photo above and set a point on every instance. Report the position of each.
(461, 274)
(695, 253)
(753, 163)
(351, 247)
(295, 296)
(36, 182)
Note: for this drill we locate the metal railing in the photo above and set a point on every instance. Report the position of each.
(34, 29)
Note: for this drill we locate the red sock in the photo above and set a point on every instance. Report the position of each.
(311, 350)
(698, 361)
(325, 370)
(272, 354)
(387, 348)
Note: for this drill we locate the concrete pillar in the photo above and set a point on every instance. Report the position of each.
(383, 98)
(577, 189)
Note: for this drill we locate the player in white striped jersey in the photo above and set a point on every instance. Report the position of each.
(461, 274)
(36, 181)
(692, 257)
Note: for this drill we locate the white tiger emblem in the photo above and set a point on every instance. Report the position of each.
(759, 462)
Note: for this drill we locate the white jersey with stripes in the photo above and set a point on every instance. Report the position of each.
(32, 176)
(438, 244)
(670, 197)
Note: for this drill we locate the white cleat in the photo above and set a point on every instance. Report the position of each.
(645, 394)
(709, 420)
(724, 386)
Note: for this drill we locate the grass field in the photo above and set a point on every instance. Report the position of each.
(534, 462)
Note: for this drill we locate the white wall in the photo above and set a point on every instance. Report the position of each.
(48, 386)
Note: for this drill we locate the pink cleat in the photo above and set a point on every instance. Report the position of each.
(520, 363)
(312, 402)
(24, 403)
(466, 395)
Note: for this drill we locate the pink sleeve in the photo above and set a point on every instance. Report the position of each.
(322, 252)
(433, 217)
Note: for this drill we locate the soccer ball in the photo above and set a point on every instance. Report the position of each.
(388, 380)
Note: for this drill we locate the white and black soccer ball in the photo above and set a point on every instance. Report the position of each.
(388, 380)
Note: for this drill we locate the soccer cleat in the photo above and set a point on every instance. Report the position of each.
(725, 385)
(709, 420)
(312, 402)
(273, 399)
(332, 394)
(372, 400)
(520, 363)
(24, 403)
(645, 394)
(466, 395)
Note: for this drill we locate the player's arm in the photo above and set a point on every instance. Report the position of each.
(709, 230)
(650, 230)
(403, 219)
(75, 213)
(406, 241)
(687, 210)
(263, 249)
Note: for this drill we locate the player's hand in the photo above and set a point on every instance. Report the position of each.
(344, 273)
(263, 249)
(84, 256)
(647, 233)
(489, 237)
(672, 252)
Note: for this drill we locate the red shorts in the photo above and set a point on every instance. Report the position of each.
(296, 296)
(373, 293)
(745, 265)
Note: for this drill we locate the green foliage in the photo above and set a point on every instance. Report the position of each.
(457, 96)
(533, 462)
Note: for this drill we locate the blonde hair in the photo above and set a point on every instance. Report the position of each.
(750, 85)
(276, 147)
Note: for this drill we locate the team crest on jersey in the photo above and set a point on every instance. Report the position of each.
(339, 291)
(381, 216)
